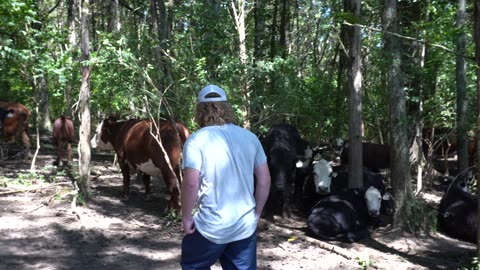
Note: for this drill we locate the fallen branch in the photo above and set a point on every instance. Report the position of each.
(323, 245)
(33, 188)
(335, 249)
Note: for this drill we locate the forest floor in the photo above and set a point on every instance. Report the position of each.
(44, 226)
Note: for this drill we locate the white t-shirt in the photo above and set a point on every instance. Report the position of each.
(226, 157)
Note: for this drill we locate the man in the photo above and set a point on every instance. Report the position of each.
(219, 163)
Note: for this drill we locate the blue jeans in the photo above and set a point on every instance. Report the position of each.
(199, 253)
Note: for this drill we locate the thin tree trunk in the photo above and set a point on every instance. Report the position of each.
(399, 153)
(283, 29)
(239, 16)
(84, 150)
(355, 99)
(72, 43)
(476, 38)
(114, 17)
(46, 123)
(461, 78)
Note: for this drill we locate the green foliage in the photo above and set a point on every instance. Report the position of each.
(364, 263)
(475, 265)
(423, 218)
(174, 215)
(301, 87)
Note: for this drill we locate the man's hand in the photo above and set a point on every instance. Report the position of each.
(188, 225)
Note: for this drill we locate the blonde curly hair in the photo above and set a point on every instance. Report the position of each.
(214, 113)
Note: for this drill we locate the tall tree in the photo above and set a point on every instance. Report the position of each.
(84, 149)
(239, 10)
(114, 17)
(72, 45)
(461, 82)
(399, 153)
(354, 82)
(476, 38)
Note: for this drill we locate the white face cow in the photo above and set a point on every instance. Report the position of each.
(373, 197)
(322, 176)
(97, 141)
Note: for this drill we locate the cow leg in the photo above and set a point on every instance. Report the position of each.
(171, 183)
(69, 152)
(286, 203)
(126, 178)
(26, 144)
(59, 154)
(146, 183)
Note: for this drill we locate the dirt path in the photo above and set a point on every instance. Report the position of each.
(39, 230)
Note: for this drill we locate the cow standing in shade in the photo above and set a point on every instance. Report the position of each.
(63, 135)
(137, 149)
(14, 124)
(280, 146)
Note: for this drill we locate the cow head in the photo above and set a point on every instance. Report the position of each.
(373, 197)
(322, 176)
(100, 139)
(5, 114)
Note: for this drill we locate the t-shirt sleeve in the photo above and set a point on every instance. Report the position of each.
(192, 156)
(260, 157)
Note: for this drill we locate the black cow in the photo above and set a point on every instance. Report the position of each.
(375, 156)
(457, 212)
(280, 146)
(345, 216)
(304, 167)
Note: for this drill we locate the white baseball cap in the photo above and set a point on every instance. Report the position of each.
(211, 93)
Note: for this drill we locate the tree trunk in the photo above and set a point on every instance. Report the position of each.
(84, 150)
(239, 16)
(72, 42)
(355, 99)
(283, 29)
(399, 153)
(114, 17)
(476, 38)
(461, 78)
(46, 123)
(160, 28)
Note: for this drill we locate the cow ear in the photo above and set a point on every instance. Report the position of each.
(299, 164)
(334, 174)
(386, 196)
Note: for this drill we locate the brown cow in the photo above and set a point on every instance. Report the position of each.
(137, 148)
(63, 134)
(15, 124)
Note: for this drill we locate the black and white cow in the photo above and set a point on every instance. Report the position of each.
(345, 216)
(457, 212)
(326, 180)
(281, 144)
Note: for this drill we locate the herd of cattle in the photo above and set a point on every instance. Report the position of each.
(302, 178)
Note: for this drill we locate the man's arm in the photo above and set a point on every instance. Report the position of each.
(262, 188)
(189, 197)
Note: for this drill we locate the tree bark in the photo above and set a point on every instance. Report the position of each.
(399, 151)
(355, 99)
(239, 16)
(283, 29)
(461, 83)
(72, 43)
(84, 149)
(114, 16)
(476, 38)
